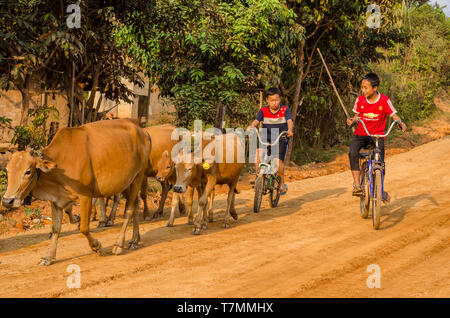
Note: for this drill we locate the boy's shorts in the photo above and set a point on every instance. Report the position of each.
(283, 145)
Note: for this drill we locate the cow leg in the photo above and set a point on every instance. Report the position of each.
(74, 218)
(181, 206)
(103, 204)
(175, 202)
(85, 209)
(130, 208)
(230, 199)
(143, 194)
(133, 244)
(93, 214)
(57, 215)
(112, 215)
(233, 212)
(164, 191)
(210, 206)
(200, 220)
(189, 202)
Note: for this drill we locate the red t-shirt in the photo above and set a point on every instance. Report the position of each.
(373, 114)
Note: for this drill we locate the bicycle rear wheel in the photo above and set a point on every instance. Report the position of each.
(376, 202)
(365, 198)
(275, 192)
(259, 184)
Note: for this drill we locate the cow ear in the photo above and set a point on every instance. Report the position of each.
(45, 165)
(165, 154)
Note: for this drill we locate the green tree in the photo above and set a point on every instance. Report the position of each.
(209, 56)
(37, 45)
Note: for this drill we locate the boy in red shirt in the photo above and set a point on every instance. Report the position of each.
(372, 107)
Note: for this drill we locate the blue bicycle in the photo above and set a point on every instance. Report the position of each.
(372, 177)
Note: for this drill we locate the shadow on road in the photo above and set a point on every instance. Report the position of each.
(396, 211)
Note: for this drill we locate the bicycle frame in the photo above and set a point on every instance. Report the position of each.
(374, 158)
(266, 158)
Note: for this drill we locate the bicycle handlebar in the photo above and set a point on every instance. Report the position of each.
(268, 144)
(378, 136)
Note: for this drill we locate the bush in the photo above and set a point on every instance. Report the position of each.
(414, 73)
(34, 134)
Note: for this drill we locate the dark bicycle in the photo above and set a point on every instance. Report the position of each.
(372, 177)
(267, 181)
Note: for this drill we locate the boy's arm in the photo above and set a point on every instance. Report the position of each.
(350, 121)
(402, 124)
(290, 124)
(253, 124)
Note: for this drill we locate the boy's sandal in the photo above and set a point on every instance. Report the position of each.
(285, 191)
(386, 198)
(357, 191)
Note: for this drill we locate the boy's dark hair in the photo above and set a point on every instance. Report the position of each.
(273, 91)
(372, 78)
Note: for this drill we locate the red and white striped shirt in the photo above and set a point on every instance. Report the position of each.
(373, 114)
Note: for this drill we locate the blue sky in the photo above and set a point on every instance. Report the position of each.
(443, 3)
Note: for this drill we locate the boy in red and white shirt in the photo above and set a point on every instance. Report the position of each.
(372, 108)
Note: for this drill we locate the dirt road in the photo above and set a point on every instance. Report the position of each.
(313, 245)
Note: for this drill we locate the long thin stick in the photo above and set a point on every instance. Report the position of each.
(332, 83)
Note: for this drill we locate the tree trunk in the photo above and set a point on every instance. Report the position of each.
(220, 115)
(26, 98)
(296, 96)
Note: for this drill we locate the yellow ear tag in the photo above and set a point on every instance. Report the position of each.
(206, 165)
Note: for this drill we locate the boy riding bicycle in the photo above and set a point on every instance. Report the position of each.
(372, 108)
(276, 118)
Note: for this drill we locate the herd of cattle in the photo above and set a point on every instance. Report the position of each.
(112, 158)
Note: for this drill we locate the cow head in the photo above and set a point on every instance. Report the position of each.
(186, 171)
(23, 169)
(165, 167)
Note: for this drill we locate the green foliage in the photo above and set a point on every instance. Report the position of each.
(413, 73)
(3, 182)
(34, 134)
(213, 52)
(32, 213)
(5, 122)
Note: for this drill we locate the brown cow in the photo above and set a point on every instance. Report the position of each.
(98, 159)
(166, 171)
(161, 137)
(229, 149)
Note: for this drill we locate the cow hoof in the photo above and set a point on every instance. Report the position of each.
(76, 219)
(132, 245)
(50, 235)
(196, 231)
(226, 226)
(101, 224)
(204, 228)
(109, 223)
(190, 222)
(117, 250)
(234, 215)
(169, 224)
(45, 262)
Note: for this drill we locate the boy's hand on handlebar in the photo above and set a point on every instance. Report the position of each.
(290, 133)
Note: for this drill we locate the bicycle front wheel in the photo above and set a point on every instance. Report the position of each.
(259, 184)
(365, 198)
(376, 202)
(275, 192)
